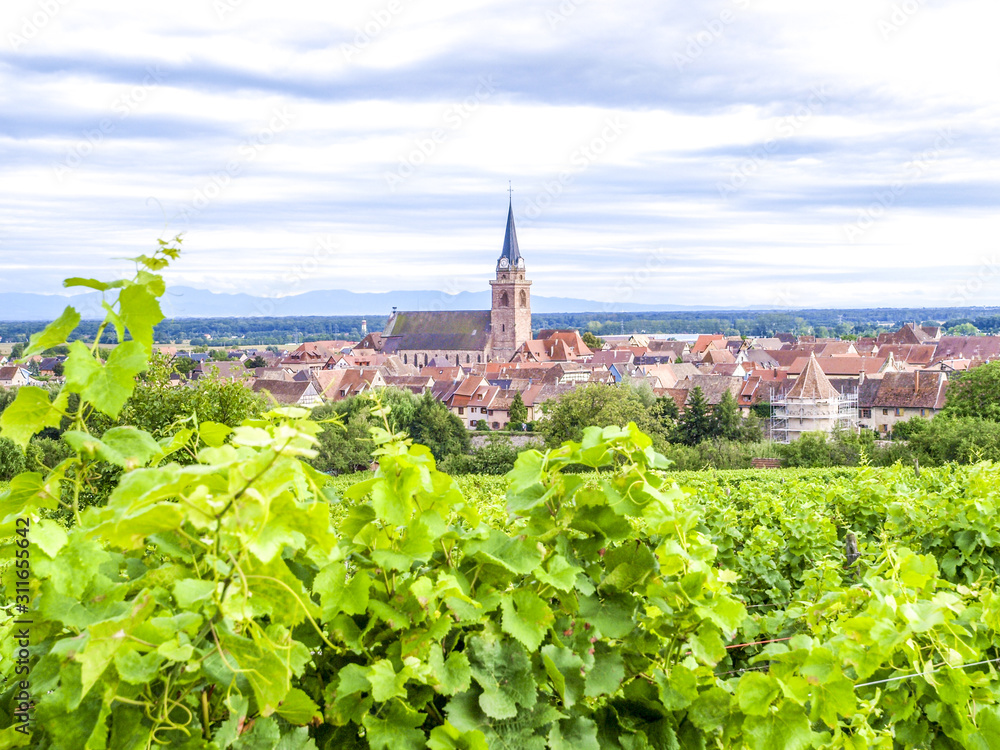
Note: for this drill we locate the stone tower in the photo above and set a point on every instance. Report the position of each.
(510, 313)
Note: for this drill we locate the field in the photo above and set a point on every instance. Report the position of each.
(622, 608)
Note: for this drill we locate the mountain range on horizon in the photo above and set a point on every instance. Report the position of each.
(188, 302)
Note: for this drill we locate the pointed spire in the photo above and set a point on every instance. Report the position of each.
(510, 249)
(813, 383)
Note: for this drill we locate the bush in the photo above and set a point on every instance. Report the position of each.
(47, 452)
(11, 460)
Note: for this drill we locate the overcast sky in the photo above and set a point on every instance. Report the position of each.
(744, 152)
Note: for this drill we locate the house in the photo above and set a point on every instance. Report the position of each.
(472, 400)
(14, 376)
(707, 341)
(47, 366)
(719, 357)
(903, 395)
(985, 348)
(443, 373)
(666, 348)
(911, 356)
(610, 357)
(414, 383)
(910, 333)
(288, 392)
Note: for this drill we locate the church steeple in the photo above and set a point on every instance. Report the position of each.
(510, 249)
(510, 316)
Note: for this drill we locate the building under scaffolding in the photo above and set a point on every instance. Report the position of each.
(813, 405)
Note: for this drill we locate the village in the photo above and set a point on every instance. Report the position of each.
(480, 363)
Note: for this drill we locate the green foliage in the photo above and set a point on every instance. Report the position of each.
(12, 459)
(592, 404)
(594, 343)
(345, 446)
(518, 412)
(437, 428)
(696, 423)
(812, 450)
(962, 329)
(495, 458)
(975, 393)
(157, 405)
(726, 420)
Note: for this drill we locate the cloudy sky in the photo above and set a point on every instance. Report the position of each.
(742, 152)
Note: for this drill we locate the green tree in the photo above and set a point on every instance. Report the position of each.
(594, 343)
(11, 459)
(518, 411)
(751, 429)
(344, 448)
(184, 365)
(437, 428)
(726, 418)
(593, 404)
(975, 393)
(811, 450)
(257, 361)
(664, 413)
(962, 329)
(696, 423)
(157, 404)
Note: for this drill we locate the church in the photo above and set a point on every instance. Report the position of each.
(467, 337)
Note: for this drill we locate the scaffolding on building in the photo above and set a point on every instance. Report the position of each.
(790, 417)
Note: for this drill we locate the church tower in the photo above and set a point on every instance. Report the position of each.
(510, 314)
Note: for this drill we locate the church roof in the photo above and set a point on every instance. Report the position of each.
(510, 249)
(445, 330)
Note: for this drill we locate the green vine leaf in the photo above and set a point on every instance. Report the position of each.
(54, 334)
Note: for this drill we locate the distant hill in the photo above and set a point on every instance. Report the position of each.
(186, 302)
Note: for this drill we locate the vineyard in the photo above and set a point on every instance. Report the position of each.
(224, 594)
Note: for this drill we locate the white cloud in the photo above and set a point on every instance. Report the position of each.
(395, 87)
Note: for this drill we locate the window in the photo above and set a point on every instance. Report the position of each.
(866, 413)
(899, 412)
(885, 411)
(425, 360)
(461, 410)
(504, 300)
(479, 358)
(490, 412)
(523, 298)
(923, 412)
(404, 359)
(496, 425)
(468, 358)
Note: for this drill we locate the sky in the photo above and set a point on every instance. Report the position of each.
(773, 153)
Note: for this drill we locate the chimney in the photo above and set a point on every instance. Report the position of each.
(916, 381)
